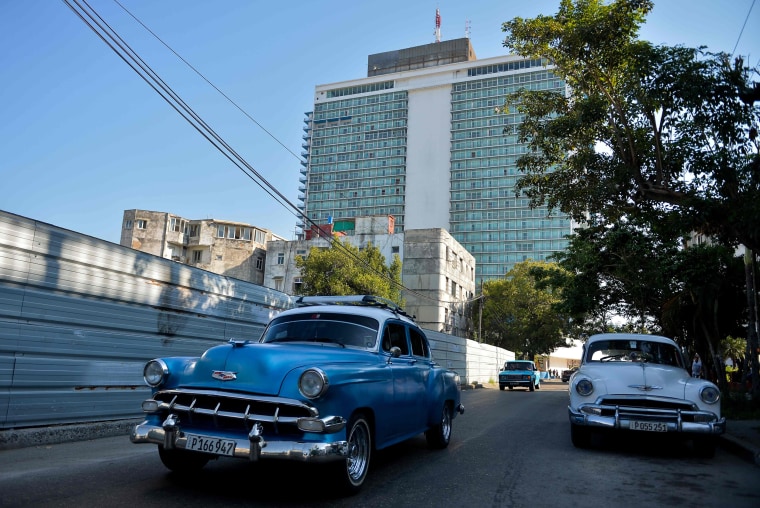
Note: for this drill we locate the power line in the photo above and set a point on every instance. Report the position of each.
(207, 81)
(114, 41)
(742, 30)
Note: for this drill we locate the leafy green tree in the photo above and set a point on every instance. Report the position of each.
(344, 269)
(621, 270)
(657, 134)
(521, 318)
(648, 130)
(707, 303)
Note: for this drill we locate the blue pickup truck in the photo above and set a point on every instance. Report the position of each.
(520, 373)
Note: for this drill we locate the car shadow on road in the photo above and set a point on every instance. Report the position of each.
(643, 444)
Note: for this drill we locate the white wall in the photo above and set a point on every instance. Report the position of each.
(428, 158)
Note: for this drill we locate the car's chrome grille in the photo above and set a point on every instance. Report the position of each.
(232, 411)
(648, 408)
(514, 377)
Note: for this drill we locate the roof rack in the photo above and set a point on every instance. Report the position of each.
(364, 300)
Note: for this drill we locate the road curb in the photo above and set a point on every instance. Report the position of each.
(740, 448)
(40, 436)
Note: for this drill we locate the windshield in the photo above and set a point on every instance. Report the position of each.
(634, 351)
(342, 329)
(518, 366)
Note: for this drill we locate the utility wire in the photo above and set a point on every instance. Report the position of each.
(207, 81)
(742, 30)
(112, 39)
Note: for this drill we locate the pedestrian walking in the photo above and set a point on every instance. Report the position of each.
(696, 367)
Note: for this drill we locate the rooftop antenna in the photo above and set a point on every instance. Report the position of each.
(467, 25)
(437, 31)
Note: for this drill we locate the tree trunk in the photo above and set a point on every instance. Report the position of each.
(752, 342)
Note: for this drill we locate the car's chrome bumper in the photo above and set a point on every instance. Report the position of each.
(699, 422)
(254, 447)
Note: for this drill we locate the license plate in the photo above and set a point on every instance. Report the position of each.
(648, 426)
(210, 445)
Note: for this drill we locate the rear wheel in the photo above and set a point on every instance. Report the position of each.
(350, 473)
(580, 436)
(439, 435)
(182, 461)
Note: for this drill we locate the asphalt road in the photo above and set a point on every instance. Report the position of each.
(509, 449)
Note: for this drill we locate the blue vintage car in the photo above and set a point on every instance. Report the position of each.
(521, 373)
(328, 382)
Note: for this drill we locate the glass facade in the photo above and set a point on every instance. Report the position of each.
(496, 227)
(355, 165)
(357, 158)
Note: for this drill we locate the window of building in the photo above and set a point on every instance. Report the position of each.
(220, 231)
(280, 258)
(259, 236)
(141, 224)
(197, 256)
(278, 283)
(195, 230)
(297, 283)
(128, 224)
(176, 225)
(259, 263)
(394, 249)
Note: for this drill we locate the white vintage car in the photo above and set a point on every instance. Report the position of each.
(639, 383)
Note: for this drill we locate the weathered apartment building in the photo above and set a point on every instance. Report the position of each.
(234, 249)
(437, 272)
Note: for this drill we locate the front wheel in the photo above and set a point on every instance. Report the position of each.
(182, 461)
(350, 473)
(532, 386)
(439, 435)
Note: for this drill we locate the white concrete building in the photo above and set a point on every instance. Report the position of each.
(420, 138)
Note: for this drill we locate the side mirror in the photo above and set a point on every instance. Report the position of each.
(395, 351)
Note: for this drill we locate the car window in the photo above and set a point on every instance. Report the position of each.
(419, 344)
(634, 351)
(517, 366)
(395, 335)
(344, 329)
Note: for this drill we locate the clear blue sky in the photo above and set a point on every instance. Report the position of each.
(83, 137)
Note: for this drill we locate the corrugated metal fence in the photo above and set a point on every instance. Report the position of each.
(80, 316)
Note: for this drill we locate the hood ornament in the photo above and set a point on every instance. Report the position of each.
(645, 388)
(224, 375)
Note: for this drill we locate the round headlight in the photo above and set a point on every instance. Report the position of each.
(155, 372)
(709, 394)
(312, 383)
(584, 387)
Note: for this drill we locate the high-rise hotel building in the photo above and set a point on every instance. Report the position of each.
(420, 138)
